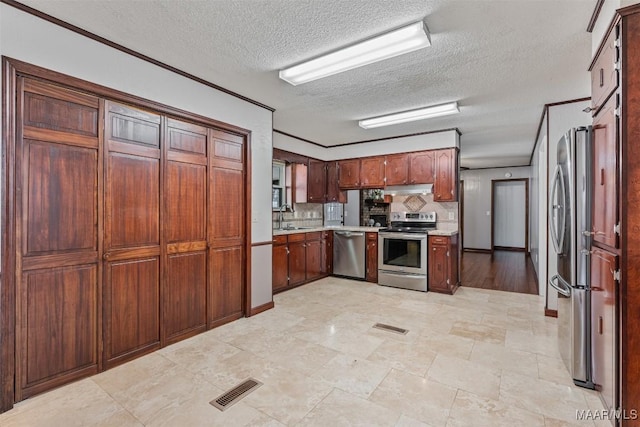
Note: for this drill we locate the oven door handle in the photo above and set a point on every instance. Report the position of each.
(402, 274)
(405, 236)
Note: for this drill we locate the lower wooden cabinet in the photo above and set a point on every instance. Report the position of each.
(603, 324)
(300, 258)
(443, 264)
(372, 257)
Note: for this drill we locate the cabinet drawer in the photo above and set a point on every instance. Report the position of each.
(314, 235)
(604, 74)
(297, 237)
(439, 240)
(372, 236)
(280, 240)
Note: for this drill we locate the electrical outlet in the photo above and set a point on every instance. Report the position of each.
(451, 216)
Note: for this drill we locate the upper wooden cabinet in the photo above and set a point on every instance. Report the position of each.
(397, 169)
(296, 183)
(334, 194)
(604, 72)
(422, 167)
(349, 173)
(445, 187)
(605, 175)
(317, 182)
(372, 172)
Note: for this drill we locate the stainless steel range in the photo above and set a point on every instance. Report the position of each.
(402, 250)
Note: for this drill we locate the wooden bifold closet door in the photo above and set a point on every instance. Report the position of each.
(130, 232)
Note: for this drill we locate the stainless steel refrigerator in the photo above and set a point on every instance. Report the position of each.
(570, 225)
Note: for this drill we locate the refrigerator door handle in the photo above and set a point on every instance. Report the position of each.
(557, 283)
(557, 235)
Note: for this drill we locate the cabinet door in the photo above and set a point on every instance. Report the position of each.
(313, 259)
(280, 267)
(317, 182)
(372, 258)
(397, 169)
(297, 263)
(445, 188)
(438, 266)
(349, 173)
(334, 194)
(604, 74)
(185, 200)
(58, 215)
(603, 324)
(605, 173)
(372, 172)
(132, 234)
(296, 183)
(422, 167)
(226, 228)
(327, 252)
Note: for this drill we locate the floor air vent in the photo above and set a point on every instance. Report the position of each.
(391, 328)
(225, 400)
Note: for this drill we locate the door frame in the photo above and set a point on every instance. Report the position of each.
(461, 214)
(11, 70)
(494, 182)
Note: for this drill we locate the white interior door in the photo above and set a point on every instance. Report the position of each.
(510, 214)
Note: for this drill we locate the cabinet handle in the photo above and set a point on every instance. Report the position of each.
(106, 256)
(601, 77)
(434, 249)
(600, 328)
(601, 176)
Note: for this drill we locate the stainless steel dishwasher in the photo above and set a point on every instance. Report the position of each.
(349, 254)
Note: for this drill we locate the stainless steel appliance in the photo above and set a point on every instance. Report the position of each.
(570, 226)
(349, 253)
(402, 250)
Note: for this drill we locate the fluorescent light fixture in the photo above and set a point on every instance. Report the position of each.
(397, 42)
(410, 116)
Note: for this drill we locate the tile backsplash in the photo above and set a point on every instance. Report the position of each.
(303, 215)
(425, 203)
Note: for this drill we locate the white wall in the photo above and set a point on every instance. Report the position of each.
(560, 119)
(429, 141)
(477, 203)
(38, 42)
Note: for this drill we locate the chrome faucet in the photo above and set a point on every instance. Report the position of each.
(281, 215)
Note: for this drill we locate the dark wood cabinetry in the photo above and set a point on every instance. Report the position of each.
(121, 232)
(397, 169)
(349, 173)
(603, 319)
(443, 264)
(317, 182)
(605, 174)
(300, 258)
(372, 172)
(371, 274)
(445, 187)
(334, 194)
(296, 183)
(422, 167)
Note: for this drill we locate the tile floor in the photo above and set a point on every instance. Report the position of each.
(478, 358)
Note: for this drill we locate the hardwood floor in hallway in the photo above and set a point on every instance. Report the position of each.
(503, 271)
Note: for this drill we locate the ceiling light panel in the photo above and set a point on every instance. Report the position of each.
(410, 116)
(397, 42)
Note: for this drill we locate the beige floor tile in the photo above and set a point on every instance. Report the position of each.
(301, 356)
(554, 370)
(507, 322)
(340, 408)
(420, 398)
(274, 320)
(342, 339)
(412, 357)
(353, 375)
(406, 421)
(470, 409)
(544, 345)
(79, 404)
(543, 397)
(130, 374)
(497, 356)
(237, 368)
(463, 374)
(449, 345)
(552, 422)
(198, 412)
(479, 332)
(199, 352)
(286, 395)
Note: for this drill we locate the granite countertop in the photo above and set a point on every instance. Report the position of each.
(350, 228)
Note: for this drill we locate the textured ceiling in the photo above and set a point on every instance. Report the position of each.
(501, 60)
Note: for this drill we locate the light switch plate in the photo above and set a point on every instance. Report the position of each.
(451, 216)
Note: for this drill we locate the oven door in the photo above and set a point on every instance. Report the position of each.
(402, 252)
